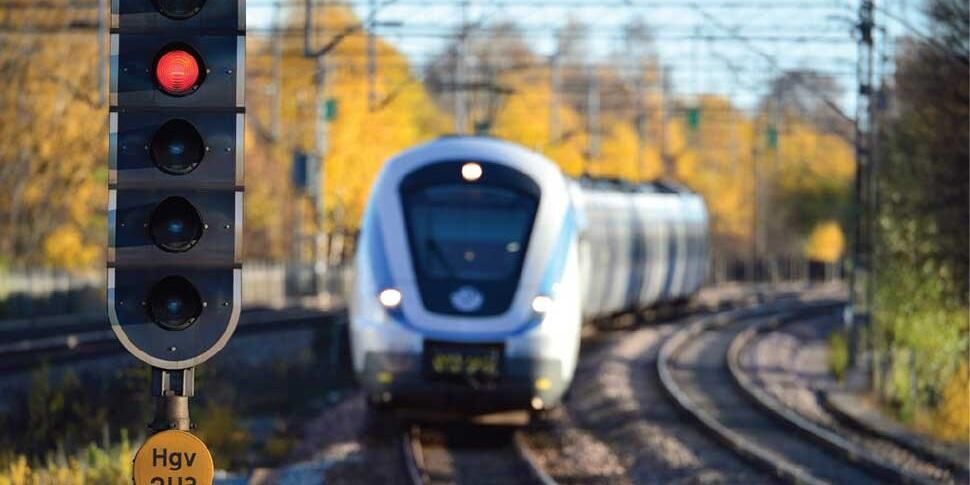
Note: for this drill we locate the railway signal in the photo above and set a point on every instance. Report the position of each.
(176, 177)
(175, 186)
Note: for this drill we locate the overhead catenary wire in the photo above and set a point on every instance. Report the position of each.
(759, 37)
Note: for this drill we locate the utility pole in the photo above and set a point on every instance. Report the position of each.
(769, 172)
(555, 128)
(372, 56)
(460, 108)
(756, 216)
(695, 76)
(102, 62)
(593, 113)
(321, 130)
(319, 155)
(860, 280)
(640, 119)
(665, 157)
(277, 48)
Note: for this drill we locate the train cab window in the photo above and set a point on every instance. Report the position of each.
(469, 232)
(468, 237)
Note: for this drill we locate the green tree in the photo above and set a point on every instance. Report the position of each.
(922, 323)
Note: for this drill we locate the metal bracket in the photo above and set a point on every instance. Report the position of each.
(172, 389)
(177, 382)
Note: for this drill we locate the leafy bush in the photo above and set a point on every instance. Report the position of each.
(921, 337)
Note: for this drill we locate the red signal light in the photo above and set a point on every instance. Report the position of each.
(178, 72)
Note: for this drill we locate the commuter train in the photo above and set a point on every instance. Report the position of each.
(478, 262)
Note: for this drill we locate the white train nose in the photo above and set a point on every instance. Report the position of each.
(469, 264)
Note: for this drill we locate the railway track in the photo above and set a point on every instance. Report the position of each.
(700, 369)
(570, 449)
(794, 399)
(594, 439)
(469, 454)
(25, 348)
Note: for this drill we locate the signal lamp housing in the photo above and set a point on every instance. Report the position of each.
(178, 71)
(174, 303)
(175, 225)
(177, 147)
(179, 9)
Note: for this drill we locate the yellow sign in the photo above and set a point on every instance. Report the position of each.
(173, 458)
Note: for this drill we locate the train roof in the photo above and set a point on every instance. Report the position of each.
(620, 185)
(479, 145)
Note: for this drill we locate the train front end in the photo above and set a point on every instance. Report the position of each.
(466, 293)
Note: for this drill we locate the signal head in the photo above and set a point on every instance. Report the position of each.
(176, 139)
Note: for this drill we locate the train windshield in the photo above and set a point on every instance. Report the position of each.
(469, 232)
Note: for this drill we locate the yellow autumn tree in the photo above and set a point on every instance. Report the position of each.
(66, 248)
(358, 140)
(618, 155)
(715, 159)
(53, 140)
(525, 117)
(825, 243)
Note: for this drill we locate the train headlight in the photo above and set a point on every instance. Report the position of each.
(390, 298)
(471, 171)
(542, 304)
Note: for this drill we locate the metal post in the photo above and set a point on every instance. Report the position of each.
(755, 210)
(460, 108)
(277, 70)
(555, 130)
(172, 390)
(860, 280)
(767, 192)
(372, 56)
(593, 113)
(640, 122)
(319, 179)
(665, 158)
(102, 54)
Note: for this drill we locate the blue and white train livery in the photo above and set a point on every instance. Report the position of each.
(478, 261)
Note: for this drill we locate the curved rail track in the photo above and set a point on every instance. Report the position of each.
(700, 369)
(694, 371)
(469, 454)
(881, 456)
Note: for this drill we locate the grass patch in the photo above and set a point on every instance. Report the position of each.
(92, 465)
(838, 354)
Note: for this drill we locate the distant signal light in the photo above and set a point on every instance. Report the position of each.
(178, 72)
